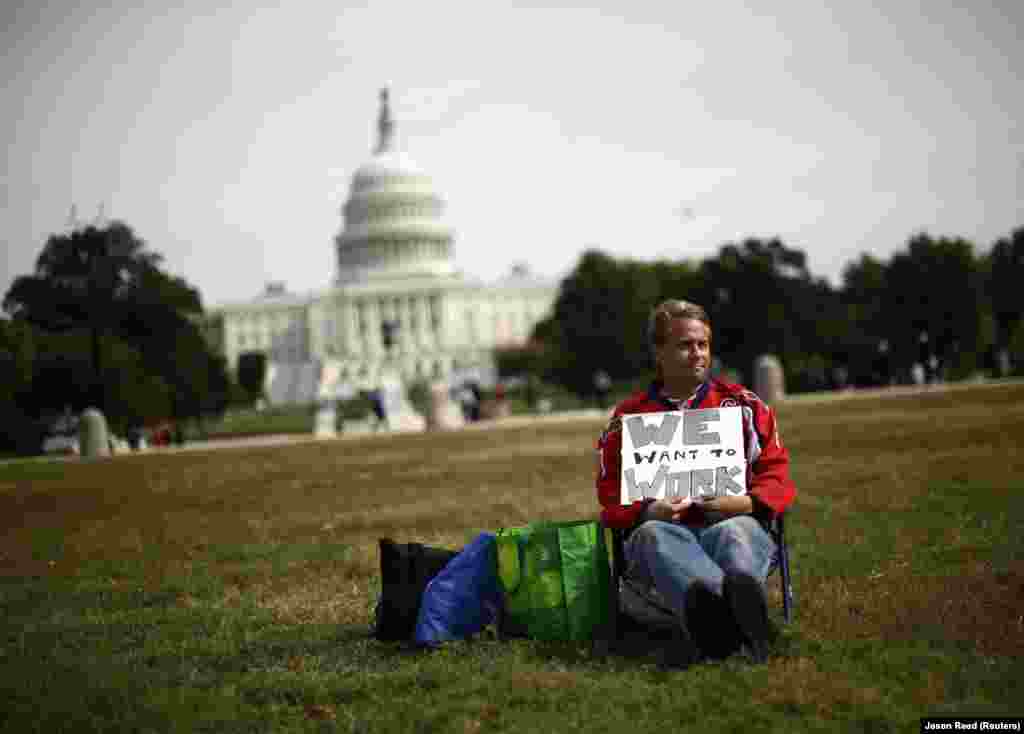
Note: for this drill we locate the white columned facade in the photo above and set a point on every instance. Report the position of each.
(373, 330)
(424, 320)
(354, 342)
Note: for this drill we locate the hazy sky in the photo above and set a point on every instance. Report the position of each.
(227, 138)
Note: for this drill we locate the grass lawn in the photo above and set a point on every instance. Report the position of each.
(231, 591)
(251, 422)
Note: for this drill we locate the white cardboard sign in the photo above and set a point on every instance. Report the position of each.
(695, 453)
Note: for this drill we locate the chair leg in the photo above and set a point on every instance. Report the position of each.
(787, 588)
(783, 565)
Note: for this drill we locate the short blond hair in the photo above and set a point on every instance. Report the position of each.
(662, 315)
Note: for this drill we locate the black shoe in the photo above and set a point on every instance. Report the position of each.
(746, 601)
(710, 621)
(681, 652)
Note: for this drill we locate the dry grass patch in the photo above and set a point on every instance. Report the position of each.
(324, 601)
(545, 680)
(976, 606)
(803, 683)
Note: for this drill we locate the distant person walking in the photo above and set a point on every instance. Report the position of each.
(377, 401)
(531, 393)
(478, 396)
(602, 386)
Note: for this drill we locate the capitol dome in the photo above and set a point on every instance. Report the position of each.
(387, 167)
(394, 219)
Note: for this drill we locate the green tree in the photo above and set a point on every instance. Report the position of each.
(17, 358)
(1006, 273)
(252, 373)
(936, 288)
(927, 300)
(140, 321)
(61, 375)
(519, 360)
(81, 279)
(17, 365)
(87, 279)
(219, 393)
(868, 321)
(762, 299)
(864, 283)
(1016, 347)
(600, 316)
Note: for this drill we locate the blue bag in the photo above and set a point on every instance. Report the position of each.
(463, 598)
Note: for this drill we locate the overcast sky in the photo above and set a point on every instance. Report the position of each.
(227, 138)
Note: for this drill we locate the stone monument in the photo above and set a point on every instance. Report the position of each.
(93, 436)
(496, 407)
(399, 414)
(769, 380)
(325, 424)
(330, 390)
(444, 413)
(602, 386)
(1004, 365)
(491, 410)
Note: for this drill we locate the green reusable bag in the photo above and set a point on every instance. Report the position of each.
(555, 577)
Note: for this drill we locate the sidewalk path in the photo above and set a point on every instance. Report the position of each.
(591, 414)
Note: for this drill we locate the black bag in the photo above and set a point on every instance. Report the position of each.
(405, 569)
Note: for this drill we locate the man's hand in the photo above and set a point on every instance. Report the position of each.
(672, 510)
(730, 505)
(668, 510)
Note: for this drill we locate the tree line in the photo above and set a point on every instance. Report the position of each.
(938, 303)
(98, 323)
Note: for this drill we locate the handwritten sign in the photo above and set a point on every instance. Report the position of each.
(695, 453)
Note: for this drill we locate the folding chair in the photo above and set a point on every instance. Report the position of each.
(647, 610)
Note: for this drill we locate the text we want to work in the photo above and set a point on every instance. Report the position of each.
(695, 453)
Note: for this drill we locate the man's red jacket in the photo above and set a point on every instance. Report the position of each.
(768, 481)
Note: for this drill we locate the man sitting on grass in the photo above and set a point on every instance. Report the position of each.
(707, 559)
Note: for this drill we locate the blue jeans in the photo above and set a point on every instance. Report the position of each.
(671, 557)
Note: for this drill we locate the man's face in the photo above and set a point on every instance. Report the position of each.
(686, 354)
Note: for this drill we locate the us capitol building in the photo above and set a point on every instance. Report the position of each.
(395, 262)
